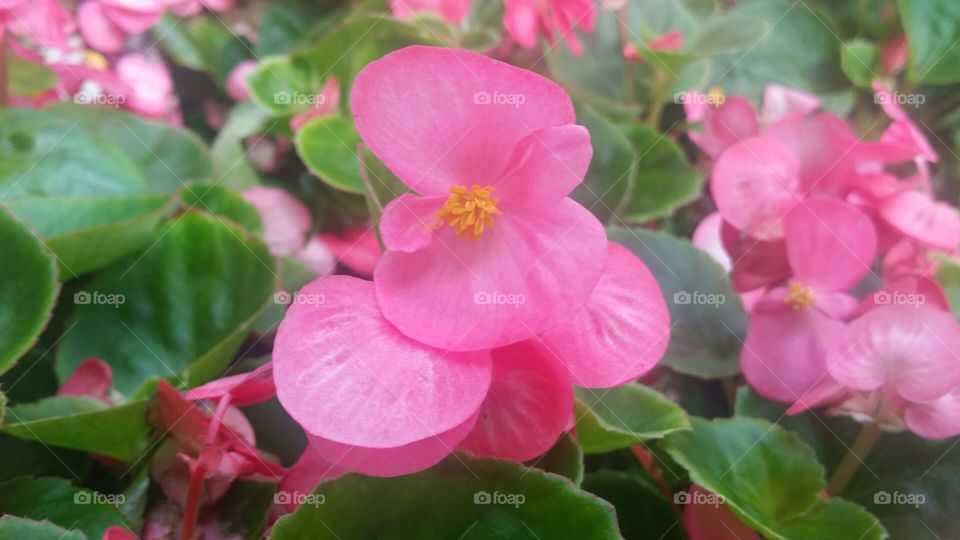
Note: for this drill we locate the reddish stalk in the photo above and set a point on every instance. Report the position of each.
(198, 472)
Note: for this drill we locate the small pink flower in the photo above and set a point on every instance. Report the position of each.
(894, 54)
(151, 89)
(526, 19)
(286, 221)
(452, 10)
(237, 87)
(92, 377)
(490, 152)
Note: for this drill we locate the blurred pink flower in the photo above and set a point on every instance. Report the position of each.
(526, 19)
(237, 87)
(286, 221)
(452, 10)
(151, 89)
(104, 24)
(490, 152)
(92, 377)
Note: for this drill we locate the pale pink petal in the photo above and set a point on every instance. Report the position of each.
(134, 21)
(922, 219)
(914, 351)
(707, 237)
(732, 122)
(409, 458)
(824, 146)
(219, 5)
(98, 31)
(347, 375)
(780, 101)
(286, 221)
(152, 87)
(452, 10)
(357, 249)
(527, 273)
(831, 245)
(92, 377)
(528, 407)
(622, 331)
(409, 221)
(237, 87)
(754, 183)
(316, 256)
(837, 305)
(783, 356)
(938, 419)
(545, 166)
(302, 478)
(906, 258)
(522, 20)
(487, 108)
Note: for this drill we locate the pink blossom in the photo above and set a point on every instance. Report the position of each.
(151, 87)
(526, 19)
(104, 24)
(92, 377)
(237, 87)
(488, 213)
(452, 10)
(286, 221)
(894, 54)
(43, 23)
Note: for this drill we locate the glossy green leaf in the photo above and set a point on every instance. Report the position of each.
(219, 200)
(229, 150)
(201, 43)
(769, 478)
(55, 500)
(82, 423)
(462, 497)
(932, 34)
(14, 527)
(28, 289)
(860, 59)
(179, 309)
(707, 317)
(611, 173)
(21, 457)
(329, 146)
(612, 418)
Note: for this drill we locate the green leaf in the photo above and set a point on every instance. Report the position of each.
(611, 173)
(54, 499)
(328, 146)
(229, 152)
(187, 302)
(201, 43)
(28, 289)
(642, 511)
(769, 478)
(14, 527)
(564, 458)
(663, 181)
(932, 34)
(82, 423)
(20, 456)
(948, 276)
(859, 59)
(708, 320)
(728, 33)
(28, 78)
(222, 201)
(168, 157)
(462, 497)
(612, 418)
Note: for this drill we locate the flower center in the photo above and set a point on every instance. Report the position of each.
(470, 211)
(800, 297)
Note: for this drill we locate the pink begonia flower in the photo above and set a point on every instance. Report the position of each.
(324, 103)
(706, 517)
(708, 238)
(286, 221)
(756, 263)
(92, 377)
(317, 257)
(357, 249)
(723, 126)
(43, 23)
(452, 10)
(526, 19)
(244, 389)
(104, 24)
(894, 54)
(830, 246)
(487, 249)
(237, 87)
(151, 87)
(902, 132)
(780, 101)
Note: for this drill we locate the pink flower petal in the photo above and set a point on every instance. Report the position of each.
(912, 350)
(621, 332)
(245, 388)
(707, 237)
(152, 87)
(409, 458)
(938, 419)
(545, 166)
(409, 221)
(831, 245)
(302, 478)
(316, 256)
(732, 122)
(347, 375)
(134, 21)
(756, 263)
(922, 219)
(118, 533)
(92, 377)
(357, 249)
(442, 117)
(452, 10)
(824, 146)
(286, 220)
(97, 30)
(528, 407)
(908, 290)
(754, 183)
(783, 356)
(780, 101)
(237, 87)
(522, 20)
(529, 272)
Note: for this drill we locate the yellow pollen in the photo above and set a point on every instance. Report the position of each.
(95, 60)
(470, 211)
(800, 297)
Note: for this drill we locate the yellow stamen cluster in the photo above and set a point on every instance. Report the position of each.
(470, 211)
(800, 297)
